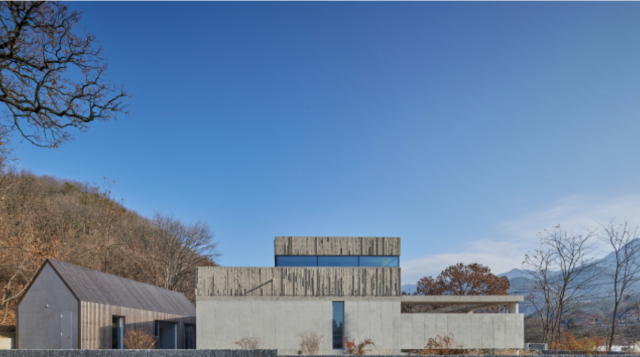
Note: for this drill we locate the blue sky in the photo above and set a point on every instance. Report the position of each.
(464, 128)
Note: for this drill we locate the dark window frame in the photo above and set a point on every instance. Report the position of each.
(333, 329)
(186, 338)
(120, 336)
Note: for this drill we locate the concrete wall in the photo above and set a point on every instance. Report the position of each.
(469, 330)
(277, 323)
(38, 325)
(378, 320)
(337, 246)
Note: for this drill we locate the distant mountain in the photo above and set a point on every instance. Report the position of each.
(600, 289)
(609, 261)
(515, 273)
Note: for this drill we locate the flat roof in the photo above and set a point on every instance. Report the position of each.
(460, 299)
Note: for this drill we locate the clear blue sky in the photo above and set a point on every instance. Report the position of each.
(464, 128)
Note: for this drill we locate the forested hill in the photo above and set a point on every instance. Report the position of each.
(44, 217)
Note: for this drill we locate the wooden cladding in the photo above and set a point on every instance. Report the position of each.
(95, 323)
(288, 281)
(337, 246)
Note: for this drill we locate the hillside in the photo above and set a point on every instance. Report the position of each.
(45, 217)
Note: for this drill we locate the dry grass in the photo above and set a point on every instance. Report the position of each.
(386, 352)
(139, 340)
(249, 343)
(311, 342)
(442, 345)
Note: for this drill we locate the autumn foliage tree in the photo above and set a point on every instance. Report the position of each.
(460, 279)
(44, 217)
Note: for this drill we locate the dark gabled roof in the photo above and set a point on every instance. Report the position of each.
(94, 286)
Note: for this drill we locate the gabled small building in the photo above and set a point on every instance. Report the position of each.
(71, 307)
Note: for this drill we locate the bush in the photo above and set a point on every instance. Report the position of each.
(360, 349)
(586, 344)
(442, 345)
(311, 342)
(249, 343)
(139, 340)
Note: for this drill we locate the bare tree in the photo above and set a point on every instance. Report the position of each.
(562, 271)
(51, 79)
(623, 269)
(169, 253)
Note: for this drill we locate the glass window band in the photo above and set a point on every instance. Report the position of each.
(336, 261)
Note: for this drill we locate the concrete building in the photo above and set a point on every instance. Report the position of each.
(339, 287)
(69, 307)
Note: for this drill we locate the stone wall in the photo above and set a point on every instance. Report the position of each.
(189, 353)
(138, 353)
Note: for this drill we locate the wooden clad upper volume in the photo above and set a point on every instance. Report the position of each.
(389, 246)
(293, 281)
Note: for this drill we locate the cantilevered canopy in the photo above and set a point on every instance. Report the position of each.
(462, 303)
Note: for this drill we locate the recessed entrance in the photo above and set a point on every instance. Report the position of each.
(167, 335)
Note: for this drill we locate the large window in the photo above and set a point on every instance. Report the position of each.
(338, 261)
(296, 261)
(378, 261)
(335, 261)
(338, 324)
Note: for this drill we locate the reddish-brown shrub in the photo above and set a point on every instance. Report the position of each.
(351, 348)
(569, 341)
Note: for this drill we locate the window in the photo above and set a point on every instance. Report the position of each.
(338, 261)
(117, 332)
(296, 261)
(377, 261)
(338, 324)
(189, 336)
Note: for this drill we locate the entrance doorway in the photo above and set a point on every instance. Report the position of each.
(117, 332)
(167, 335)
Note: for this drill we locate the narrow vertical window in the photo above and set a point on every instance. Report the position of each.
(117, 332)
(189, 336)
(338, 324)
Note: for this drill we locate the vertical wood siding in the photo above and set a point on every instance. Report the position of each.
(337, 246)
(286, 281)
(95, 323)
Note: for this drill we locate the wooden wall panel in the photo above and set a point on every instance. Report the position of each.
(290, 281)
(295, 246)
(96, 323)
(337, 246)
